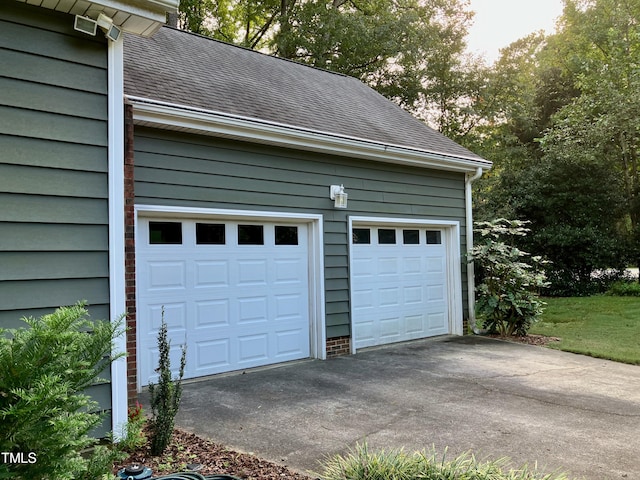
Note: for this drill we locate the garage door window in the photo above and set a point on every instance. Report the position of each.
(250, 235)
(434, 237)
(411, 237)
(361, 235)
(165, 233)
(210, 234)
(286, 235)
(386, 236)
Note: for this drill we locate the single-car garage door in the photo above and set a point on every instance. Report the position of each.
(399, 284)
(235, 291)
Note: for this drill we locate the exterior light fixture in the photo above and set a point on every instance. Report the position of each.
(337, 193)
(112, 32)
(89, 26)
(85, 25)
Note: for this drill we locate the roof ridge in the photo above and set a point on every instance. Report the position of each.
(251, 50)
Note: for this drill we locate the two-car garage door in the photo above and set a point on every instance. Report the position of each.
(236, 292)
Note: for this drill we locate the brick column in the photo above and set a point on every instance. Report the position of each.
(130, 256)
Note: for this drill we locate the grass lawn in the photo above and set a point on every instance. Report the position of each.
(600, 326)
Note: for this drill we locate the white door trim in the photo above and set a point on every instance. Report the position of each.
(451, 240)
(314, 224)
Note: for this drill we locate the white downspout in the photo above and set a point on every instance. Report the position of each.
(471, 285)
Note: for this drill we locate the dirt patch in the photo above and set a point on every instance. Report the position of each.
(539, 340)
(209, 458)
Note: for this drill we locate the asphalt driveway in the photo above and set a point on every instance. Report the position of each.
(566, 412)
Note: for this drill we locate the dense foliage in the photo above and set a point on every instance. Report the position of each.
(165, 396)
(45, 416)
(507, 292)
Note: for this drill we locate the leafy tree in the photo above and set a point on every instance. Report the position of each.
(603, 121)
(565, 141)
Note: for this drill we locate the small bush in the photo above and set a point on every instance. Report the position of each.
(165, 397)
(134, 436)
(44, 370)
(624, 288)
(362, 464)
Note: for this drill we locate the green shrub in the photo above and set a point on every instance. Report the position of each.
(134, 436)
(165, 397)
(508, 299)
(44, 369)
(624, 288)
(361, 464)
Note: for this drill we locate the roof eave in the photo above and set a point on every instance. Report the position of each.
(166, 116)
(140, 17)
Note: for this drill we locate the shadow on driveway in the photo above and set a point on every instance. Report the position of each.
(566, 412)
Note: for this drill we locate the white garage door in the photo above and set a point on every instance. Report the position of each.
(236, 292)
(399, 284)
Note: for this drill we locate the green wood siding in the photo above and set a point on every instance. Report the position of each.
(53, 168)
(188, 170)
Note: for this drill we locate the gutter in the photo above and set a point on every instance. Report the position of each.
(471, 284)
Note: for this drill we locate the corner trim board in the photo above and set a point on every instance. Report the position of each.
(117, 295)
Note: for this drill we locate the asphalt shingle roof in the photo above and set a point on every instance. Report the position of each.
(194, 71)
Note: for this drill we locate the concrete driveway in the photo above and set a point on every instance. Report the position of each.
(566, 412)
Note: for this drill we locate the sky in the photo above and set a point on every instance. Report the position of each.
(498, 23)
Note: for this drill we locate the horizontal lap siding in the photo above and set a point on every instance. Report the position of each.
(53, 169)
(188, 170)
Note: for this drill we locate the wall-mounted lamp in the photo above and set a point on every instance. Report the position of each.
(85, 25)
(111, 31)
(88, 26)
(337, 193)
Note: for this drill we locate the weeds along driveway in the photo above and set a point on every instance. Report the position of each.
(566, 412)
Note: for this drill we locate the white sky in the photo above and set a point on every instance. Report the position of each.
(497, 23)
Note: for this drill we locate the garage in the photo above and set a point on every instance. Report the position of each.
(235, 291)
(400, 277)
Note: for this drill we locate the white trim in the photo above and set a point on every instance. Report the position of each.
(117, 285)
(317, 327)
(206, 122)
(451, 240)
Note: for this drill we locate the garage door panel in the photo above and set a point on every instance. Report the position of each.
(175, 316)
(389, 297)
(413, 294)
(240, 305)
(212, 274)
(288, 271)
(211, 313)
(166, 275)
(252, 272)
(212, 356)
(253, 349)
(288, 342)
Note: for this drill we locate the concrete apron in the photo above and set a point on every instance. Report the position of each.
(566, 412)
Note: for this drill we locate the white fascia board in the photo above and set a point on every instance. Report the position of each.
(175, 117)
(153, 9)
